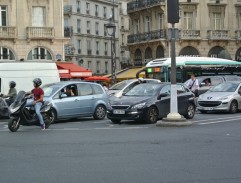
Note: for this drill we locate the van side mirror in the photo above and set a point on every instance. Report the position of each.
(162, 95)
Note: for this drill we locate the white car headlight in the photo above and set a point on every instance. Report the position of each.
(225, 98)
(139, 106)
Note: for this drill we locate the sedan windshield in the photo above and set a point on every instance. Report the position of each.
(49, 90)
(120, 85)
(225, 87)
(143, 90)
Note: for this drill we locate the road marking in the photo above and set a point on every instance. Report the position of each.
(235, 117)
(221, 121)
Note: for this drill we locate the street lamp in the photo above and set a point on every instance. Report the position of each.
(111, 28)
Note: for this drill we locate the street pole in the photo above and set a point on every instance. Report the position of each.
(114, 49)
(174, 107)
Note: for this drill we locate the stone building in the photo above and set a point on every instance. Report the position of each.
(90, 44)
(209, 28)
(31, 30)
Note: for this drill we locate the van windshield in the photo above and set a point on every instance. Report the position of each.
(49, 90)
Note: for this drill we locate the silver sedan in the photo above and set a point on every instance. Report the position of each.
(223, 97)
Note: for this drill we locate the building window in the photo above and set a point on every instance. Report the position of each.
(160, 22)
(88, 47)
(136, 26)
(188, 21)
(78, 26)
(106, 67)
(6, 54)
(96, 10)
(78, 6)
(88, 27)
(89, 65)
(217, 22)
(97, 47)
(38, 17)
(106, 48)
(88, 8)
(97, 28)
(39, 54)
(148, 24)
(79, 46)
(239, 21)
(98, 67)
(3, 16)
(104, 12)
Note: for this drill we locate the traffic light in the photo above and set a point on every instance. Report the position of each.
(173, 11)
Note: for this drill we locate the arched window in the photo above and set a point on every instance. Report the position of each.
(159, 52)
(189, 51)
(6, 54)
(219, 52)
(39, 54)
(138, 58)
(148, 55)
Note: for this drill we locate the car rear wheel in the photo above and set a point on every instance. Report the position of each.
(100, 112)
(115, 121)
(233, 107)
(152, 115)
(190, 111)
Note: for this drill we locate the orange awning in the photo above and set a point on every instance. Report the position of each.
(71, 70)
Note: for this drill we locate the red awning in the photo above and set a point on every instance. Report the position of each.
(71, 70)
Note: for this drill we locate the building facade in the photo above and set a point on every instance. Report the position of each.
(31, 30)
(209, 28)
(124, 31)
(90, 44)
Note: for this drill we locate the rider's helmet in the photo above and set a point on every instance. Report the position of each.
(12, 84)
(37, 81)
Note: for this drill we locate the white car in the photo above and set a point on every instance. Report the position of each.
(223, 97)
(118, 89)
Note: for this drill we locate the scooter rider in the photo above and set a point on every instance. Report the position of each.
(38, 95)
(12, 93)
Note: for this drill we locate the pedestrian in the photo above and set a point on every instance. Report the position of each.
(193, 85)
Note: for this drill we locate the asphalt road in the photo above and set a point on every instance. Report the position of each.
(91, 151)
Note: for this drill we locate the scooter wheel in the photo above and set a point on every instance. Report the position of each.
(13, 124)
(47, 121)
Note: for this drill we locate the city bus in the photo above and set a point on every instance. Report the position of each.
(200, 66)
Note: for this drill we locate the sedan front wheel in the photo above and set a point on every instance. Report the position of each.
(100, 112)
(152, 115)
(233, 107)
(190, 111)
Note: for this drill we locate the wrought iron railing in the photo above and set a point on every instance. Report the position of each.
(68, 31)
(238, 34)
(8, 32)
(189, 34)
(67, 9)
(40, 32)
(139, 4)
(218, 34)
(147, 36)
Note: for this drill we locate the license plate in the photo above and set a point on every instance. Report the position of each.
(208, 108)
(119, 112)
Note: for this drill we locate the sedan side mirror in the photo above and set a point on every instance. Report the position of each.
(162, 95)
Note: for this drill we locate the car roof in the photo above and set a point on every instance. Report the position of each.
(64, 83)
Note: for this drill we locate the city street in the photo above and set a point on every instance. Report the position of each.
(90, 151)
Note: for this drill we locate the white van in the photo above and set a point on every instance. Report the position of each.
(23, 73)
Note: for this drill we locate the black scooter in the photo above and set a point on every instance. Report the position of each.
(21, 115)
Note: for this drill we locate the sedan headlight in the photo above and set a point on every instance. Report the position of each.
(139, 106)
(225, 98)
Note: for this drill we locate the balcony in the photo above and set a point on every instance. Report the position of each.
(143, 4)
(238, 34)
(68, 31)
(189, 34)
(40, 32)
(8, 32)
(218, 34)
(147, 36)
(68, 9)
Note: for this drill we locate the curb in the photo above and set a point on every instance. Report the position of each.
(173, 122)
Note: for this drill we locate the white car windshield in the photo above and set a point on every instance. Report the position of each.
(225, 87)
